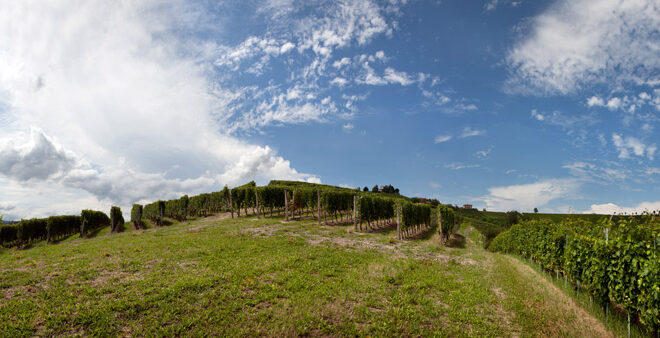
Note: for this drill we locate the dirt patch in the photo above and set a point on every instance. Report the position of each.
(588, 325)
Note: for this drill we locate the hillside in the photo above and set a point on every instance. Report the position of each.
(223, 276)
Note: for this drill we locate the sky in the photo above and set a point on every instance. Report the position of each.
(505, 105)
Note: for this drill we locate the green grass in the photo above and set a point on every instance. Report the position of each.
(251, 277)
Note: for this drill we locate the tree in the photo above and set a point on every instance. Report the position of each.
(375, 188)
(0, 219)
(396, 191)
(536, 210)
(365, 189)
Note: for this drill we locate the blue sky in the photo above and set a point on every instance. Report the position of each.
(501, 104)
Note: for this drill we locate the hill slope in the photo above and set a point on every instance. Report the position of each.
(246, 276)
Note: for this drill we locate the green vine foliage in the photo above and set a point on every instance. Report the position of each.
(8, 234)
(622, 268)
(92, 220)
(448, 220)
(116, 219)
(136, 216)
(413, 214)
(29, 230)
(373, 208)
(61, 226)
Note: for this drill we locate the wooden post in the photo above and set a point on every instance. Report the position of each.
(286, 206)
(318, 205)
(293, 204)
(355, 211)
(256, 199)
(398, 222)
(231, 204)
(442, 234)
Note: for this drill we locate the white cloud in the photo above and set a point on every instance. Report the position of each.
(483, 153)
(401, 78)
(564, 121)
(469, 132)
(614, 103)
(434, 185)
(525, 197)
(442, 138)
(459, 166)
(611, 208)
(603, 173)
(578, 42)
(133, 107)
(626, 145)
(595, 101)
(347, 127)
(468, 107)
(436, 98)
(339, 81)
(341, 63)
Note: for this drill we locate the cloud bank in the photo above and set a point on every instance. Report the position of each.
(106, 100)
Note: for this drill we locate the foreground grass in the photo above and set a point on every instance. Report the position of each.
(262, 277)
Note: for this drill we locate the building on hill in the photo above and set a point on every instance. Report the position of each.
(467, 206)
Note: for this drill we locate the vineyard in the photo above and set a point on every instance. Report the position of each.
(615, 262)
(612, 260)
(294, 201)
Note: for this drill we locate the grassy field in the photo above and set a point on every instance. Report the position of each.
(252, 277)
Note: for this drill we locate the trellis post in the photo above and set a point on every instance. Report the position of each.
(231, 204)
(256, 198)
(286, 206)
(318, 205)
(355, 211)
(398, 221)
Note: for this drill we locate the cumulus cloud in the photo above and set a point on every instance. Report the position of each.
(524, 197)
(37, 159)
(133, 107)
(579, 42)
(393, 76)
(611, 208)
(627, 145)
(595, 101)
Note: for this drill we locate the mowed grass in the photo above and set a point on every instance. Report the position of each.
(247, 277)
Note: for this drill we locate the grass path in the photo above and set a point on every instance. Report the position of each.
(250, 277)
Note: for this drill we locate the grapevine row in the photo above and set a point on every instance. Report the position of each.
(615, 262)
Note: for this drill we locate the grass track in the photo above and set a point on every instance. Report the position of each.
(251, 277)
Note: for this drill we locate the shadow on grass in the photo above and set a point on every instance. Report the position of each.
(95, 232)
(55, 241)
(456, 241)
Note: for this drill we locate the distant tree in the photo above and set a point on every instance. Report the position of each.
(365, 189)
(484, 209)
(513, 217)
(375, 188)
(0, 219)
(396, 191)
(536, 210)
